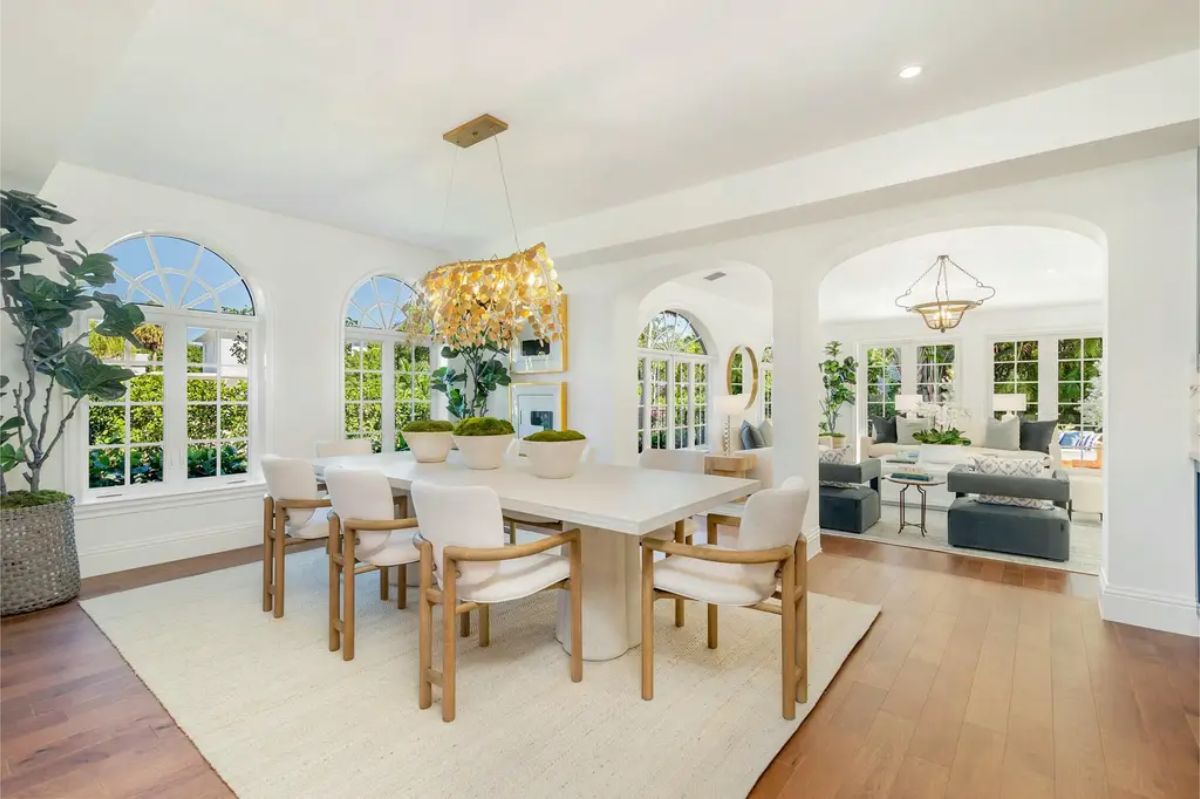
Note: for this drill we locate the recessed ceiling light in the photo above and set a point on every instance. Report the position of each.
(908, 73)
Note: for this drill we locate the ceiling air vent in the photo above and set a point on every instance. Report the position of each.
(714, 276)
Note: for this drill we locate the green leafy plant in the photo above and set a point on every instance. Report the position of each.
(428, 426)
(948, 436)
(838, 376)
(483, 426)
(41, 309)
(556, 435)
(467, 391)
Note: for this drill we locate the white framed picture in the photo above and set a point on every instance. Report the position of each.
(530, 355)
(537, 406)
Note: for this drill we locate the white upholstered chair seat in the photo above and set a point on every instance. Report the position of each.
(317, 525)
(515, 579)
(399, 548)
(713, 583)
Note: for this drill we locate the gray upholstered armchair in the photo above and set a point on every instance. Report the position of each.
(852, 507)
(1036, 532)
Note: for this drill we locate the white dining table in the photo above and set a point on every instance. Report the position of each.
(612, 506)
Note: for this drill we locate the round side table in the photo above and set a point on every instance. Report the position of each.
(920, 485)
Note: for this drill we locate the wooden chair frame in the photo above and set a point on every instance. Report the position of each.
(447, 597)
(275, 544)
(792, 608)
(344, 566)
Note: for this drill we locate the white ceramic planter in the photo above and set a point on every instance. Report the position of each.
(430, 447)
(483, 452)
(554, 460)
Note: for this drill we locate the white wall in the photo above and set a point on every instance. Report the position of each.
(973, 340)
(301, 274)
(1143, 212)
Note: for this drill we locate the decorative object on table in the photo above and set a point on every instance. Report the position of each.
(1036, 436)
(1003, 433)
(481, 308)
(838, 376)
(1010, 404)
(741, 359)
(945, 309)
(554, 454)
(429, 440)
(944, 419)
(727, 407)
(531, 354)
(907, 429)
(908, 404)
(750, 437)
(883, 429)
(537, 406)
(40, 561)
(912, 474)
(482, 441)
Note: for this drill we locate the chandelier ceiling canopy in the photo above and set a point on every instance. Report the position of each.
(487, 303)
(945, 310)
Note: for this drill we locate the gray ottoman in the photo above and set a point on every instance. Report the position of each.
(851, 510)
(1007, 528)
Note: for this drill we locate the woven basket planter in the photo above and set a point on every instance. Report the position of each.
(40, 564)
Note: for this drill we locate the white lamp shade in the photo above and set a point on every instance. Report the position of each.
(1009, 402)
(907, 402)
(730, 404)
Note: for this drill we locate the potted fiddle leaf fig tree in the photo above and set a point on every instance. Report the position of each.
(37, 525)
(838, 377)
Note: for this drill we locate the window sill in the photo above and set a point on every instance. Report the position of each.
(166, 500)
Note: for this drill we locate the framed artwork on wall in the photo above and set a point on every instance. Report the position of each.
(530, 355)
(537, 406)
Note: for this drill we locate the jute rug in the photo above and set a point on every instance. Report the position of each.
(278, 715)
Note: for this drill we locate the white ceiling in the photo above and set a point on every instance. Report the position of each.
(1028, 266)
(334, 111)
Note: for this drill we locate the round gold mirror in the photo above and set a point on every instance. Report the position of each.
(741, 374)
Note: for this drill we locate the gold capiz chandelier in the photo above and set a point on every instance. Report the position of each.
(489, 303)
(945, 311)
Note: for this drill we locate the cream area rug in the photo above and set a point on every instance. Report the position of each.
(1085, 539)
(279, 715)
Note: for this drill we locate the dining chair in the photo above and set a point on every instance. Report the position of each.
(769, 561)
(683, 531)
(294, 512)
(343, 447)
(466, 566)
(364, 536)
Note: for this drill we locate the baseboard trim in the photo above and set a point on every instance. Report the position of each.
(147, 551)
(813, 536)
(1165, 612)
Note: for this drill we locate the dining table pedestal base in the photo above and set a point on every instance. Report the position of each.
(611, 598)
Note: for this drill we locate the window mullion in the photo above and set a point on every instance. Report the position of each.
(387, 427)
(175, 403)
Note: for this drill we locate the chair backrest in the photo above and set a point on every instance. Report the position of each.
(673, 460)
(344, 446)
(361, 494)
(464, 516)
(773, 517)
(290, 478)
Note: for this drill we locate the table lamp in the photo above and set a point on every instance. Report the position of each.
(729, 405)
(907, 404)
(1011, 404)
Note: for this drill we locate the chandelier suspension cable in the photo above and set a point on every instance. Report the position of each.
(507, 200)
(449, 193)
(913, 285)
(979, 284)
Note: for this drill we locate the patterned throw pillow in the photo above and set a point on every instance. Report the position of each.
(1011, 467)
(842, 455)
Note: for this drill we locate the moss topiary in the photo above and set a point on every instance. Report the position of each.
(556, 435)
(428, 426)
(483, 426)
(31, 499)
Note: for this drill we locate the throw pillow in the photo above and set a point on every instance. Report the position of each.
(751, 438)
(1036, 436)
(839, 455)
(767, 432)
(905, 428)
(883, 429)
(1011, 467)
(1003, 434)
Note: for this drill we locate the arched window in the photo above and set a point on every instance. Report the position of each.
(673, 369)
(385, 376)
(188, 418)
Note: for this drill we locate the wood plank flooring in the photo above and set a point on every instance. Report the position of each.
(979, 679)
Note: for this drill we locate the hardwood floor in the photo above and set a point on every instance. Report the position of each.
(979, 679)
